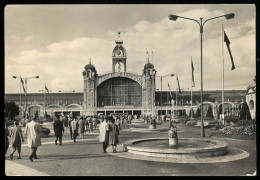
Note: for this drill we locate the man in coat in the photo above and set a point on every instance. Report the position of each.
(103, 135)
(70, 121)
(32, 131)
(74, 127)
(58, 129)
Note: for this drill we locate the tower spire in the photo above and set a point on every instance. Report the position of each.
(89, 60)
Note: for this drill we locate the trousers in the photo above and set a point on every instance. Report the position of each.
(105, 144)
(60, 139)
(33, 154)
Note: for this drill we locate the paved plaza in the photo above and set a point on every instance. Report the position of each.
(86, 158)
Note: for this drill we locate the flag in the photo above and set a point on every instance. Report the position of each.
(226, 40)
(170, 90)
(178, 85)
(46, 89)
(152, 52)
(192, 71)
(147, 53)
(23, 85)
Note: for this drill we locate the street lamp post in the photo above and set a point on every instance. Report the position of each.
(161, 77)
(201, 24)
(25, 82)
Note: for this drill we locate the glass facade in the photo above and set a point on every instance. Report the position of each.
(119, 91)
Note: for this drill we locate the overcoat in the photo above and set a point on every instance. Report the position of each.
(113, 133)
(81, 126)
(6, 137)
(103, 132)
(74, 125)
(16, 137)
(32, 131)
(58, 128)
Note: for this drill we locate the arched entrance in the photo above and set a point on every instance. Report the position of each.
(119, 91)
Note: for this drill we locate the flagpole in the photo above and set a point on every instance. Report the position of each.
(223, 106)
(191, 110)
(20, 94)
(177, 99)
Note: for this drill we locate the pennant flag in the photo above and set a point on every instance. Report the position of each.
(178, 85)
(23, 85)
(46, 89)
(226, 40)
(147, 53)
(192, 71)
(170, 90)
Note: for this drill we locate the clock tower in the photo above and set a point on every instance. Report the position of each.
(119, 56)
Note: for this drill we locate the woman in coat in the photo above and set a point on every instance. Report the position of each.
(113, 133)
(16, 139)
(81, 129)
(90, 126)
(32, 131)
(6, 138)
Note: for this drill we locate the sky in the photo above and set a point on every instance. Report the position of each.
(55, 42)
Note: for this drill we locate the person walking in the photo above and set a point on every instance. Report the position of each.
(113, 133)
(90, 126)
(74, 128)
(95, 122)
(70, 128)
(103, 134)
(6, 138)
(81, 129)
(16, 139)
(32, 131)
(58, 129)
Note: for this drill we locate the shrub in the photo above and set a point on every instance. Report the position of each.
(182, 120)
(191, 113)
(191, 123)
(198, 113)
(245, 113)
(232, 119)
(210, 112)
(44, 132)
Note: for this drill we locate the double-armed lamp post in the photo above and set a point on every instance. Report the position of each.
(161, 77)
(201, 25)
(25, 79)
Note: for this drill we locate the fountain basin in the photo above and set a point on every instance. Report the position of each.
(187, 148)
(140, 129)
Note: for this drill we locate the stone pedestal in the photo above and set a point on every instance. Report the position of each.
(151, 126)
(173, 142)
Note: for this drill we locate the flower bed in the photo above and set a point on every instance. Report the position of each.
(243, 127)
(191, 123)
(45, 132)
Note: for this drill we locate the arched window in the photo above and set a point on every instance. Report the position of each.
(251, 104)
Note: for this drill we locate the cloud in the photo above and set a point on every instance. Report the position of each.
(18, 38)
(60, 64)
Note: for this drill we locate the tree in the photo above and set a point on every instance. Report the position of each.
(210, 112)
(191, 111)
(245, 113)
(198, 113)
(11, 109)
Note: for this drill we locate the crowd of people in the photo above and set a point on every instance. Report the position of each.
(78, 126)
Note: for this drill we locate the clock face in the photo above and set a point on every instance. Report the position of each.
(118, 52)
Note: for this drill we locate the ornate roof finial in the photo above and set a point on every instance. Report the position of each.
(89, 60)
(118, 34)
